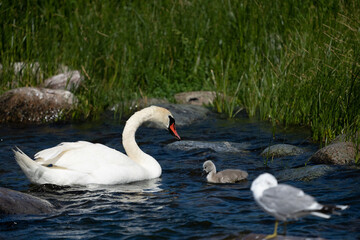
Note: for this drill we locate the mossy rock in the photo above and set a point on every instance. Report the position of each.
(35, 105)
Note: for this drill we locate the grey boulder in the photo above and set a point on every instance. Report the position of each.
(281, 150)
(66, 81)
(186, 114)
(196, 97)
(339, 153)
(14, 202)
(306, 173)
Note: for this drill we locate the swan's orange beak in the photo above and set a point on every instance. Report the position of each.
(173, 132)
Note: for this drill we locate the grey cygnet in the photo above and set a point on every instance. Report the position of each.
(225, 176)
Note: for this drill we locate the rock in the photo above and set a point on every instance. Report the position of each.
(140, 103)
(187, 145)
(146, 102)
(62, 68)
(20, 67)
(186, 114)
(14, 202)
(346, 137)
(66, 81)
(280, 150)
(339, 138)
(306, 173)
(195, 98)
(340, 153)
(35, 105)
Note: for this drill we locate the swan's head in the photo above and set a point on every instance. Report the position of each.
(164, 117)
(263, 182)
(208, 166)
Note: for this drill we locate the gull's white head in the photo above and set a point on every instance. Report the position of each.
(261, 183)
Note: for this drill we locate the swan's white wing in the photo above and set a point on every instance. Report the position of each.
(84, 162)
(83, 156)
(51, 155)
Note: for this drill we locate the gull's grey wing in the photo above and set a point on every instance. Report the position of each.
(231, 176)
(286, 202)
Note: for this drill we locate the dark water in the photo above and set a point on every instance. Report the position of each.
(179, 205)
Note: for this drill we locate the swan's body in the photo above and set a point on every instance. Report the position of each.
(83, 163)
(225, 176)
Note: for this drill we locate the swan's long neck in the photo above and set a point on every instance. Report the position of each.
(129, 143)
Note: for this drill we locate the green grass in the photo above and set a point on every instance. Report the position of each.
(291, 62)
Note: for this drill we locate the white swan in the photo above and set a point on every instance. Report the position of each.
(84, 163)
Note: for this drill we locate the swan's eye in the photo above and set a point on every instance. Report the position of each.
(171, 120)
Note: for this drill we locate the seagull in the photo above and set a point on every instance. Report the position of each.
(285, 202)
(225, 176)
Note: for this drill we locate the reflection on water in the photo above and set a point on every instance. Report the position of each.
(147, 186)
(180, 204)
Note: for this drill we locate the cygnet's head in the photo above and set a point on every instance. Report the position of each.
(208, 166)
(263, 182)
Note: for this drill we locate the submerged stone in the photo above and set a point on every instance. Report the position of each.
(281, 150)
(306, 173)
(35, 105)
(14, 202)
(224, 146)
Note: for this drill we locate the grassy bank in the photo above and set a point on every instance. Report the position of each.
(293, 62)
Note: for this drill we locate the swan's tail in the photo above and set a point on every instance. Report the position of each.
(29, 166)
